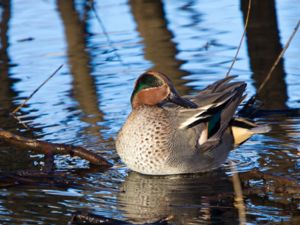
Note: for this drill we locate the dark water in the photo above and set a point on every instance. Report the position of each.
(88, 101)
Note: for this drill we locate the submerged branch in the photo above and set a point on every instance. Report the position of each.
(51, 148)
(88, 218)
(280, 180)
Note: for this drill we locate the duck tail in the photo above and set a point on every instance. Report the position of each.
(242, 129)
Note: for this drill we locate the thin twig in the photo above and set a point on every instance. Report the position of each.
(249, 109)
(109, 41)
(278, 58)
(242, 38)
(20, 121)
(36, 90)
(239, 200)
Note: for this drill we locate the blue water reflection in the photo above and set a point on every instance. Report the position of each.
(89, 99)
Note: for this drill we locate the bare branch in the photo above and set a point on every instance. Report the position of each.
(51, 148)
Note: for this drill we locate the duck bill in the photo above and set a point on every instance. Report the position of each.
(176, 99)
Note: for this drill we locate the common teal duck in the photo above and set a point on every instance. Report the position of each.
(169, 134)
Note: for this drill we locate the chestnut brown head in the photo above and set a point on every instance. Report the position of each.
(154, 88)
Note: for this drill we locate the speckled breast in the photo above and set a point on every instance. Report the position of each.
(145, 140)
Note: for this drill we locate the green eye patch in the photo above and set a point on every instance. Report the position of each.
(147, 81)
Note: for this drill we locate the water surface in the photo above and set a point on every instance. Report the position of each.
(88, 101)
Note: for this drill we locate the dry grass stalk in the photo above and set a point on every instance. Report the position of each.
(109, 41)
(242, 38)
(279, 57)
(36, 90)
(239, 200)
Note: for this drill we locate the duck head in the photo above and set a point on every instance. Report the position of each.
(154, 89)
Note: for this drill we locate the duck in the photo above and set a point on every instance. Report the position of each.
(167, 134)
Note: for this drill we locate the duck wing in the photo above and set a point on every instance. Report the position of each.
(217, 104)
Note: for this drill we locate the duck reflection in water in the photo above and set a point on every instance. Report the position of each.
(187, 199)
